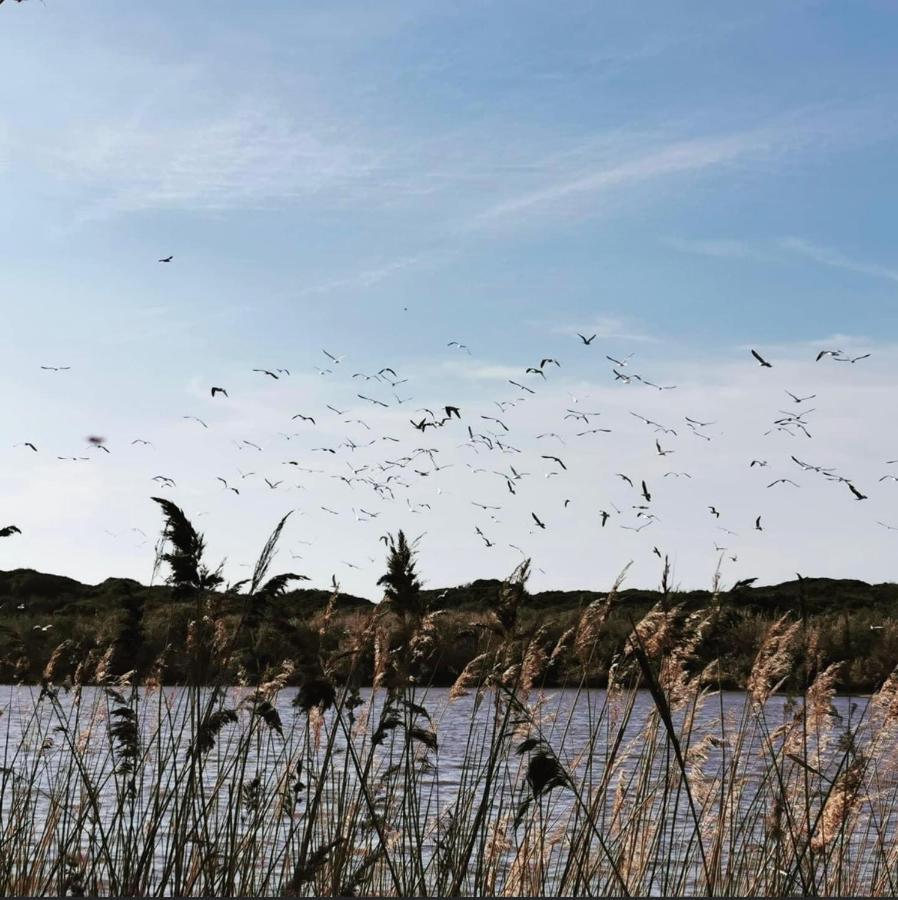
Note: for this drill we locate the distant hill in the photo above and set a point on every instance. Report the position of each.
(851, 621)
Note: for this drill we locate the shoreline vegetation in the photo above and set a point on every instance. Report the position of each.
(854, 624)
(295, 784)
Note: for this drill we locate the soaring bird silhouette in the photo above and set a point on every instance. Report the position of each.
(823, 353)
(219, 390)
(56, 368)
(267, 372)
(555, 459)
(858, 495)
(166, 259)
(486, 540)
(539, 524)
(586, 340)
(761, 361)
(9, 530)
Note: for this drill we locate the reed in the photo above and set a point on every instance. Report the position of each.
(239, 783)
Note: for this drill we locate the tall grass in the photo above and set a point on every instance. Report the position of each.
(233, 784)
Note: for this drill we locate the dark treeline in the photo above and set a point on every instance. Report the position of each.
(129, 626)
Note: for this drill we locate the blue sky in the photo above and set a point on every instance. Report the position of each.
(379, 180)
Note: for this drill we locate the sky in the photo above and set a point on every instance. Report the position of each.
(379, 180)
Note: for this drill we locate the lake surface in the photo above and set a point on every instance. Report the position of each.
(43, 737)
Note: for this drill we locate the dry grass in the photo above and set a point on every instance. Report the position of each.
(658, 785)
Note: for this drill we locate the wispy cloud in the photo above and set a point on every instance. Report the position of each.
(251, 156)
(829, 257)
(773, 250)
(677, 157)
(372, 275)
(719, 248)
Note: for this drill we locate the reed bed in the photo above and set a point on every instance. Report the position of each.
(374, 783)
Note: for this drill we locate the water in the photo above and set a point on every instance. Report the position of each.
(42, 737)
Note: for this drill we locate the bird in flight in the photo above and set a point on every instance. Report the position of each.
(219, 390)
(620, 362)
(605, 516)
(852, 359)
(645, 493)
(858, 495)
(539, 524)
(29, 445)
(761, 361)
(8, 530)
(142, 442)
(714, 512)
(56, 368)
(459, 346)
(304, 418)
(822, 353)
(266, 372)
(196, 419)
(166, 259)
(586, 340)
(486, 540)
(800, 399)
(337, 359)
(555, 459)
(219, 478)
(783, 481)
(273, 484)
(758, 524)
(372, 400)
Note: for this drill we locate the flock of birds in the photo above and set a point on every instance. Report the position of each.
(382, 468)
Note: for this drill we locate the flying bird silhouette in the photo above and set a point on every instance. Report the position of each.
(219, 390)
(166, 259)
(761, 361)
(586, 340)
